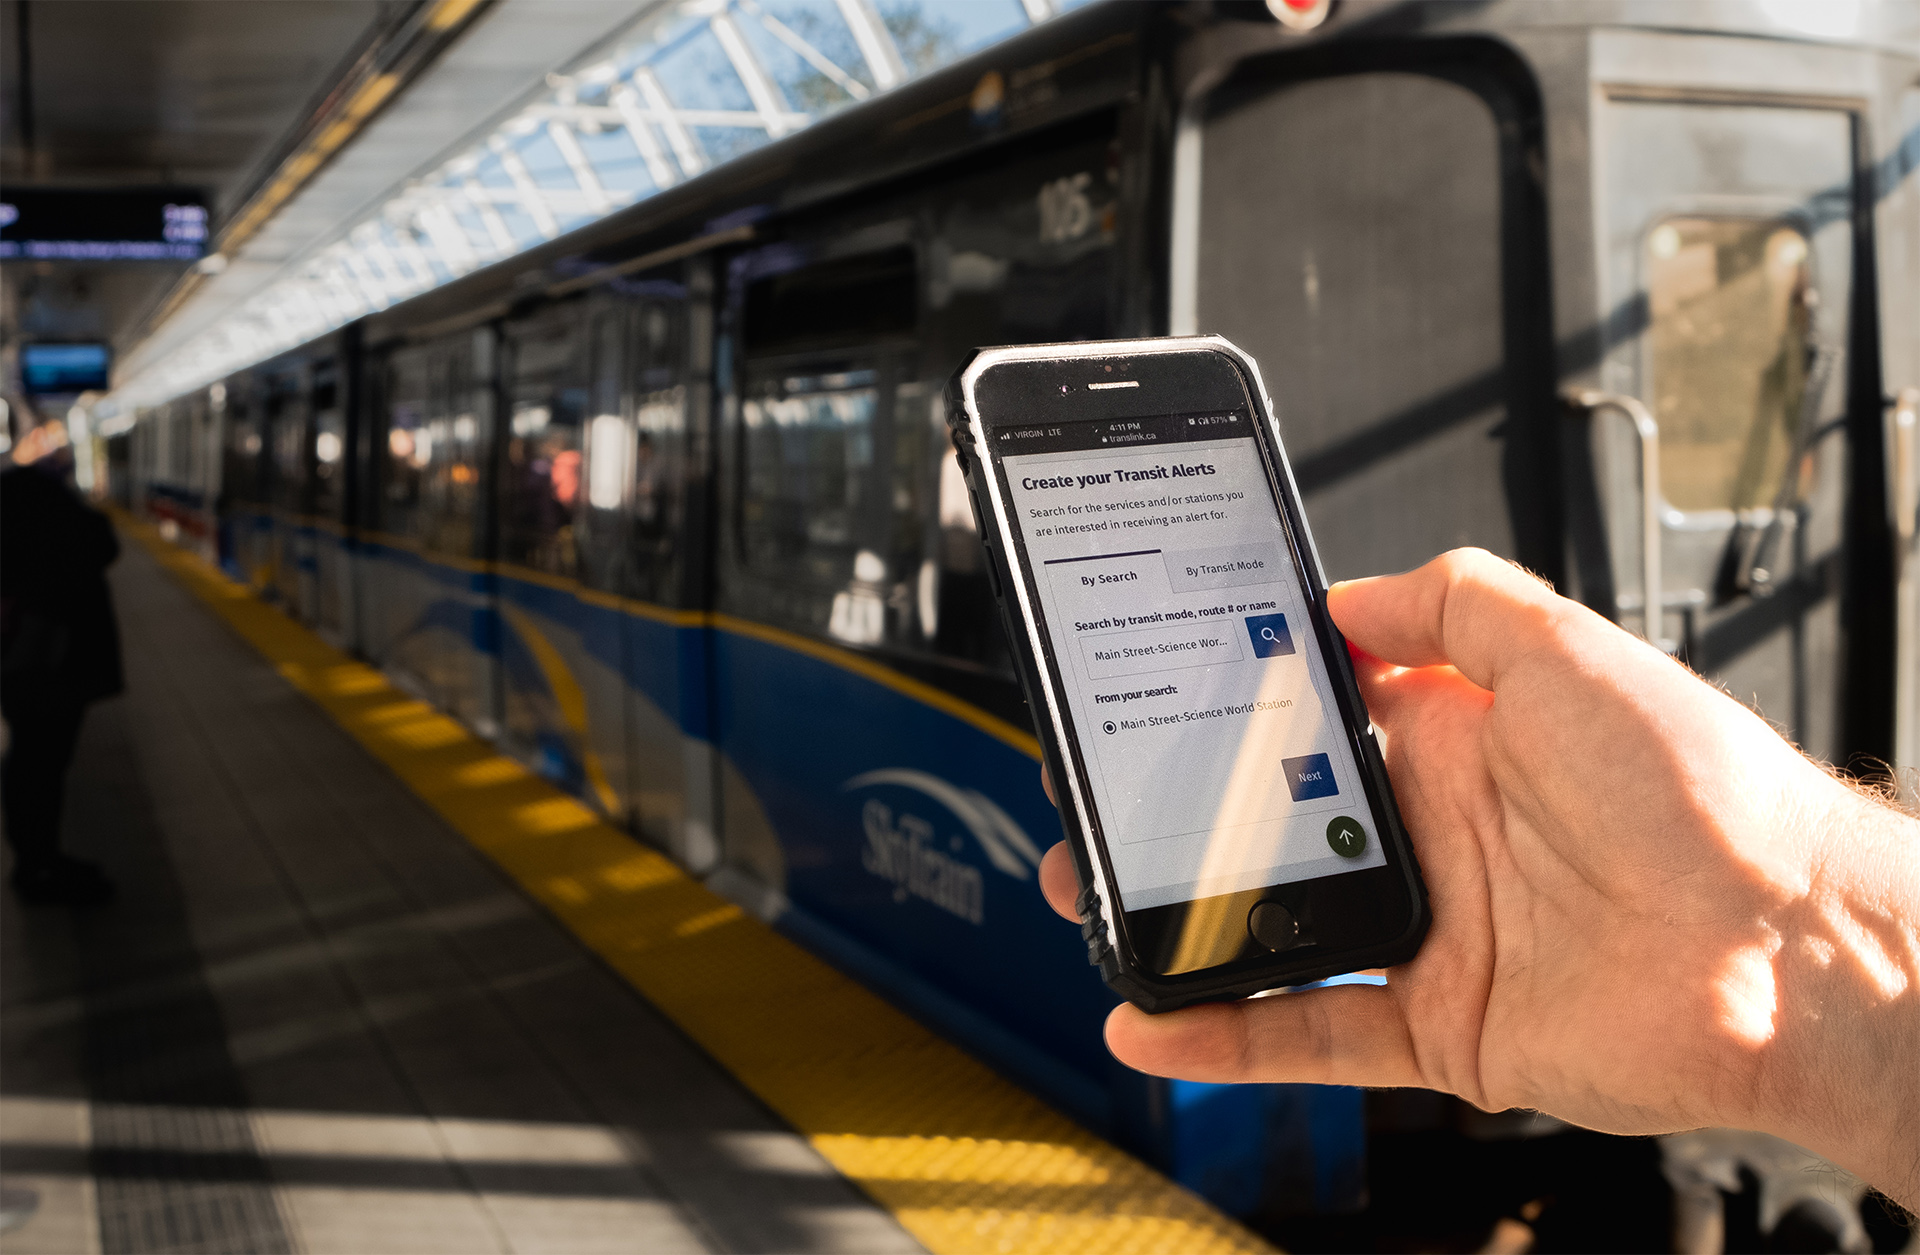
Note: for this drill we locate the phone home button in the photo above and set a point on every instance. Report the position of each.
(1273, 926)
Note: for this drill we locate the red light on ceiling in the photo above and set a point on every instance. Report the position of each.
(1300, 15)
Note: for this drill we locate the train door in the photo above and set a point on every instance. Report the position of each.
(1371, 229)
(288, 421)
(245, 485)
(642, 460)
(462, 500)
(332, 610)
(557, 568)
(428, 613)
(1727, 244)
(1371, 234)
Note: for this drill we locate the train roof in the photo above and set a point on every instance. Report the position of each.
(1079, 63)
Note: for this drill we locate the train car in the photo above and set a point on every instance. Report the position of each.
(1627, 292)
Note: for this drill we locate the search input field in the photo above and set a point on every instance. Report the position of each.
(1160, 649)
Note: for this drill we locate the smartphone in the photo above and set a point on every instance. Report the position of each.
(1218, 780)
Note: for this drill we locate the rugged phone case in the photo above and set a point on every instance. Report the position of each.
(1102, 922)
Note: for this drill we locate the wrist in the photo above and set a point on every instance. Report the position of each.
(1840, 1073)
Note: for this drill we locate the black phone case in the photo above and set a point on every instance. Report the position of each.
(1102, 925)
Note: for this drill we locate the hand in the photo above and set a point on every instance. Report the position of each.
(1650, 912)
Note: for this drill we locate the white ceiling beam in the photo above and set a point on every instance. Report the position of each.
(806, 51)
(477, 195)
(598, 201)
(875, 41)
(626, 102)
(686, 148)
(767, 99)
(532, 198)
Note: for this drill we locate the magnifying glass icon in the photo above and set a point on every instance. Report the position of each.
(1266, 634)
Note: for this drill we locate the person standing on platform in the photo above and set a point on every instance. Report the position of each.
(59, 651)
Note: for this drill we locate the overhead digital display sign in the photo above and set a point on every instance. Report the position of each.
(122, 224)
(64, 368)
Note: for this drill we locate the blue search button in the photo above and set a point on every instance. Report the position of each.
(1310, 776)
(1270, 635)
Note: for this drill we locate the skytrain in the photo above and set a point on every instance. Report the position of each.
(1627, 292)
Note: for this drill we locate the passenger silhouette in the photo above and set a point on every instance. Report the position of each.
(59, 651)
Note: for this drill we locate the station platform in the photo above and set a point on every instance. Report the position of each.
(368, 986)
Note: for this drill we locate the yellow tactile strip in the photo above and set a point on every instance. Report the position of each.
(965, 1160)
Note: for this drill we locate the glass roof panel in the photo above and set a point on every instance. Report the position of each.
(686, 87)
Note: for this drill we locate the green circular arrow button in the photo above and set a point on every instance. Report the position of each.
(1347, 837)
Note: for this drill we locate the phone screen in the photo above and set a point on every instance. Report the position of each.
(1202, 705)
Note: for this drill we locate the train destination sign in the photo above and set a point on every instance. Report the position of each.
(123, 224)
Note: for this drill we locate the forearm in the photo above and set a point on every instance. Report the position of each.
(1843, 1071)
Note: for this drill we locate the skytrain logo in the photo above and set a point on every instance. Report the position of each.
(904, 848)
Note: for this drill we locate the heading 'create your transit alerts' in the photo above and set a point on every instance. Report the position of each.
(1179, 470)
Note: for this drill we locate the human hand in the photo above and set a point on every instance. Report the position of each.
(1650, 912)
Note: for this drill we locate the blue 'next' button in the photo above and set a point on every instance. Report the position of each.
(1311, 776)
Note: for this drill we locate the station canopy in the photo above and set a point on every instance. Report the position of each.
(671, 93)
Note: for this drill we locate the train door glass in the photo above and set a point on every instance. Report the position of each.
(807, 444)
(642, 466)
(826, 532)
(570, 453)
(333, 572)
(404, 627)
(1728, 230)
(606, 454)
(561, 704)
(244, 485)
(448, 447)
(660, 461)
(429, 614)
(404, 446)
(547, 399)
(1369, 238)
(289, 418)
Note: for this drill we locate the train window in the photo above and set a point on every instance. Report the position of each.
(1730, 303)
(243, 478)
(450, 456)
(848, 516)
(829, 497)
(430, 456)
(1022, 253)
(608, 453)
(404, 450)
(287, 416)
(658, 454)
(329, 443)
(609, 447)
(542, 485)
(847, 301)
(808, 446)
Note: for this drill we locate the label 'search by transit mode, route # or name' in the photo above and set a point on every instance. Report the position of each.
(1176, 616)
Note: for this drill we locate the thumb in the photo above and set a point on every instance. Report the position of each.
(1466, 607)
